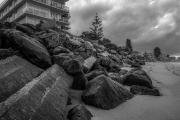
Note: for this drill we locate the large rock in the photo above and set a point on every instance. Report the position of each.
(32, 49)
(44, 98)
(80, 81)
(61, 58)
(24, 29)
(79, 112)
(89, 62)
(51, 38)
(74, 68)
(140, 90)
(15, 72)
(137, 77)
(59, 50)
(93, 74)
(116, 77)
(72, 43)
(102, 92)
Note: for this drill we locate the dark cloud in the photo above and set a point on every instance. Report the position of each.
(148, 23)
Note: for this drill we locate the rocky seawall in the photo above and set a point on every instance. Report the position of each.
(39, 67)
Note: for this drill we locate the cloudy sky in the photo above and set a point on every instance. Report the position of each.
(149, 23)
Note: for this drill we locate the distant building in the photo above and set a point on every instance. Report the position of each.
(32, 11)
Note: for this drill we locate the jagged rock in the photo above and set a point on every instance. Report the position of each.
(116, 58)
(59, 50)
(78, 58)
(141, 62)
(79, 112)
(61, 58)
(123, 72)
(140, 90)
(113, 52)
(141, 72)
(29, 47)
(74, 68)
(101, 64)
(31, 26)
(44, 98)
(102, 92)
(72, 44)
(24, 29)
(15, 72)
(79, 81)
(4, 53)
(85, 69)
(135, 64)
(51, 38)
(88, 63)
(116, 77)
(114, 68)
(105, 62)
(93, 74)
(137, 77)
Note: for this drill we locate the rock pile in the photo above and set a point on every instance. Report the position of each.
(39, 67)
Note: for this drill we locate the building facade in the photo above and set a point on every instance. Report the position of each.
(33, 11)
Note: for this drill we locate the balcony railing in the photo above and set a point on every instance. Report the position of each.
(54, 4)
(10, 8)
(44, 15)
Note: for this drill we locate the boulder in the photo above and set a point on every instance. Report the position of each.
(137, 77)
(15, 72)
(140, 90)
(44, 98)
(102, 92)
(79, 81)
(24, 29)
(136, 65)
(30, 26)
(74, 68)
(116, 77)
(33, 50)
(89, 62)
(105, 62)
(93, 74)
(123, 72)
(72, 44)
(51, 38)
(79, 112)
(114, 68)
(59, 50)
(61, 58)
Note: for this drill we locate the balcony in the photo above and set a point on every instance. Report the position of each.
(64, 20)
(37, 13)
(44, 15)
(8, 9)
(54, 5)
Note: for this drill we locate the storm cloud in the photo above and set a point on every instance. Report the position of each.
(148, 23)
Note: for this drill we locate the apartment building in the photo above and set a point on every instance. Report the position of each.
(32, 11)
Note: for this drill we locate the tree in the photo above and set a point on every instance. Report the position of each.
(157, 52)
(96, 29)
(129, 45)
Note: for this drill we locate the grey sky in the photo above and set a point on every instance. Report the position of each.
(148, 23)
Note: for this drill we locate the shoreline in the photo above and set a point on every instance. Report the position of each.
(144, 107)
